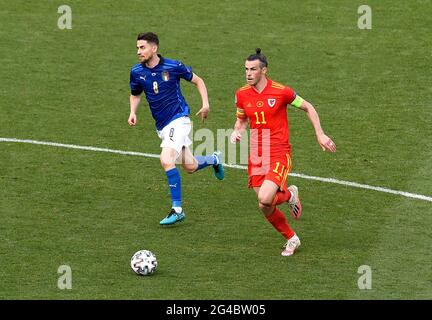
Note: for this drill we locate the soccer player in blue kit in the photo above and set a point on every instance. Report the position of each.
(159, 78)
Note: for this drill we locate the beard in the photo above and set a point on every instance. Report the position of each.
(143, 60)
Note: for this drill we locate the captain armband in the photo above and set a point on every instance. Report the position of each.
(297, 101)
(240, 114)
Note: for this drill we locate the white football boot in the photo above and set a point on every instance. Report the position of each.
(292, 244)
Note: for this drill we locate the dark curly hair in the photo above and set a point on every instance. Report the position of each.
(149, 37)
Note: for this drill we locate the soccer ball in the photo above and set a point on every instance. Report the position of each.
(144, 262)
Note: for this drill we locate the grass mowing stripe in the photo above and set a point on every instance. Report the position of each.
(151, 155)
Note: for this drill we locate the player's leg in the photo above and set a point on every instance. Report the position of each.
(281, 166)
(278, 174)
(168, 158)
(188, 161)
(277, 219)
(178, 134)
(290, 196)
(193, 163)
(173, 140)
(266, 194)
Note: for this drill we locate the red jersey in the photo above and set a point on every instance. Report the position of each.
(267, 114)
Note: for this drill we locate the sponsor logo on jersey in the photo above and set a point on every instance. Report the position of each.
(259, 104)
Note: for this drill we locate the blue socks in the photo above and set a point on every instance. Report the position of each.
(174, 179)
(205, 161)
(174, 182)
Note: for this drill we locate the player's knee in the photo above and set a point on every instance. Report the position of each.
(167, 163)
(265, 208)
(264, 201)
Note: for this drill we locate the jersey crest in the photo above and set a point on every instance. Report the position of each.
(165, 75)
(271, 102)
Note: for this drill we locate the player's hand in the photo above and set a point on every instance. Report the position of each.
(326, 143)
(203, 113)
(132, 119)
(235, 136)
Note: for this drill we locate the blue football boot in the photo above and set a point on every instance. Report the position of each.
(173, 217)
(218, 168)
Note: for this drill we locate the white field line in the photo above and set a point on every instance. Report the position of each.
(151, 155)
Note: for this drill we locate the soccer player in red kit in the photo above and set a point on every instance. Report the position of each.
(262, 104)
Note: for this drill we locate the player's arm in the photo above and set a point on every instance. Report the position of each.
(134, 98)
(240, 126)
(324, 141)
(134, 102)
(202, 89)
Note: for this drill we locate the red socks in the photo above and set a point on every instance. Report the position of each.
(281, 197)
(280, 223)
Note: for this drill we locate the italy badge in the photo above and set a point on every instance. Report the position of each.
(165, 76)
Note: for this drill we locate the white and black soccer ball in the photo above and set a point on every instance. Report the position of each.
(144, 262)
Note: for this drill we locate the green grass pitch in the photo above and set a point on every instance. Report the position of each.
(92, 211)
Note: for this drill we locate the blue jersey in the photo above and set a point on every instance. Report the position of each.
(161, 86)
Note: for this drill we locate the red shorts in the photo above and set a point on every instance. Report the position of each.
(275, 169)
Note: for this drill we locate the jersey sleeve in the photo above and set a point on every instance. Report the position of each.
(135, 86)
(184, 71)
(240, 109)
(289, 95)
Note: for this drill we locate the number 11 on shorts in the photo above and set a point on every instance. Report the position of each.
(276, 169)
